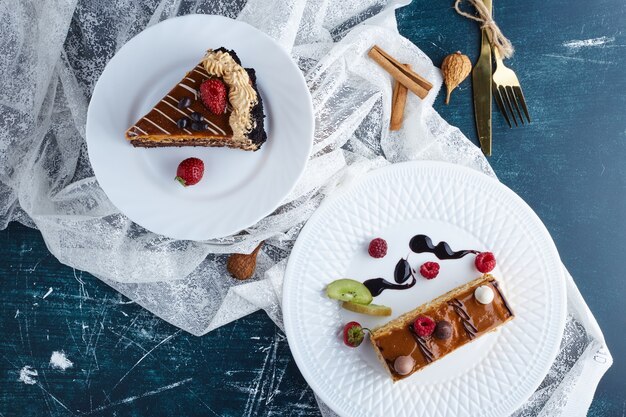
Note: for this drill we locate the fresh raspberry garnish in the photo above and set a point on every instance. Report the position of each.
(485, 262)
(429, 270)
(190, 171)
(377, 248)
(424, 326)
(213, 94)
(353, 334)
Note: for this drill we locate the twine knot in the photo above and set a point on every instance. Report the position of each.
(497, 39)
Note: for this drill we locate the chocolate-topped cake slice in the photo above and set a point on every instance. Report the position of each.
(414, 340)
(215, 104)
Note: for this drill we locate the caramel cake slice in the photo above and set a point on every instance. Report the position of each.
(182, 118)
(416, 339)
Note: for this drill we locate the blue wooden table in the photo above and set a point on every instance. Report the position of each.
(569, 165)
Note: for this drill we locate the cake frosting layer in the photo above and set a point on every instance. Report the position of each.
(241, 95)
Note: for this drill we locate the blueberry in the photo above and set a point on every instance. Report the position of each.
(198, 126)
(196, 117)
(182, 122)
(184, 102)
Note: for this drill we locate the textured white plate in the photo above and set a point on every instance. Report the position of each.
(489, 377)
(239, 188)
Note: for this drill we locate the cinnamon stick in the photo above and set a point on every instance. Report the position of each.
(412, 81)
(398, 102)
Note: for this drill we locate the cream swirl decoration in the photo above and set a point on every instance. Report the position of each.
(241, 95)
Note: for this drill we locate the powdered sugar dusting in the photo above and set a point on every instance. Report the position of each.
(28, 375)
(58, 360)
(586, 43)
(47, 293)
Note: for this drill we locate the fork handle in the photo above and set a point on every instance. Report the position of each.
(497, 56)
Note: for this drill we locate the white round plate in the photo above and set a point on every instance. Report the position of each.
(239, 188)
(491, 376)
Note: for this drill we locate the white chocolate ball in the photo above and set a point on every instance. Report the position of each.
(484, 294)
(404, 365)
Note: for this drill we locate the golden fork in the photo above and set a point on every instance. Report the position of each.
(508, 92)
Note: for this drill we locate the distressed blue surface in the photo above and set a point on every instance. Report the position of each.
(126, 361)
(569, 165)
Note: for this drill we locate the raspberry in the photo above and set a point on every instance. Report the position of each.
(424, 326)
(429, 270)
(377, 248)
(485, 262)
(213, 94)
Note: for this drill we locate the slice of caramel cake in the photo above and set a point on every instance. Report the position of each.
(416, 339)
(196, 112)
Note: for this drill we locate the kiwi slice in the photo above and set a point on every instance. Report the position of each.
(349, 290)
(370, 310)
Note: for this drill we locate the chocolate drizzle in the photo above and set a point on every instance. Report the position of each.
(506, 303)
(423, 243)
(421, 343)
(466, 320)
(378, 285)
(402, 273)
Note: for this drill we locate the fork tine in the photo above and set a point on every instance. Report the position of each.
(522, 101)
(511, 94)
(507, 101)
(496, 95)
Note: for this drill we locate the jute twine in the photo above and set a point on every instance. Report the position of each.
(497, 39)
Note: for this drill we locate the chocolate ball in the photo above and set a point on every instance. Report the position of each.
(443, 330)
(403, 365)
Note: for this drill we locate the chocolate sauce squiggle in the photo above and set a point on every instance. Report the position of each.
(423, 243)
(401, 274)
(378, 285)
(506, 304)
(466, 320)
(403, 271)
(421, 343)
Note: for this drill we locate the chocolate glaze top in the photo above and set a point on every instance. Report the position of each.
(161, 120)
(483, 318)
